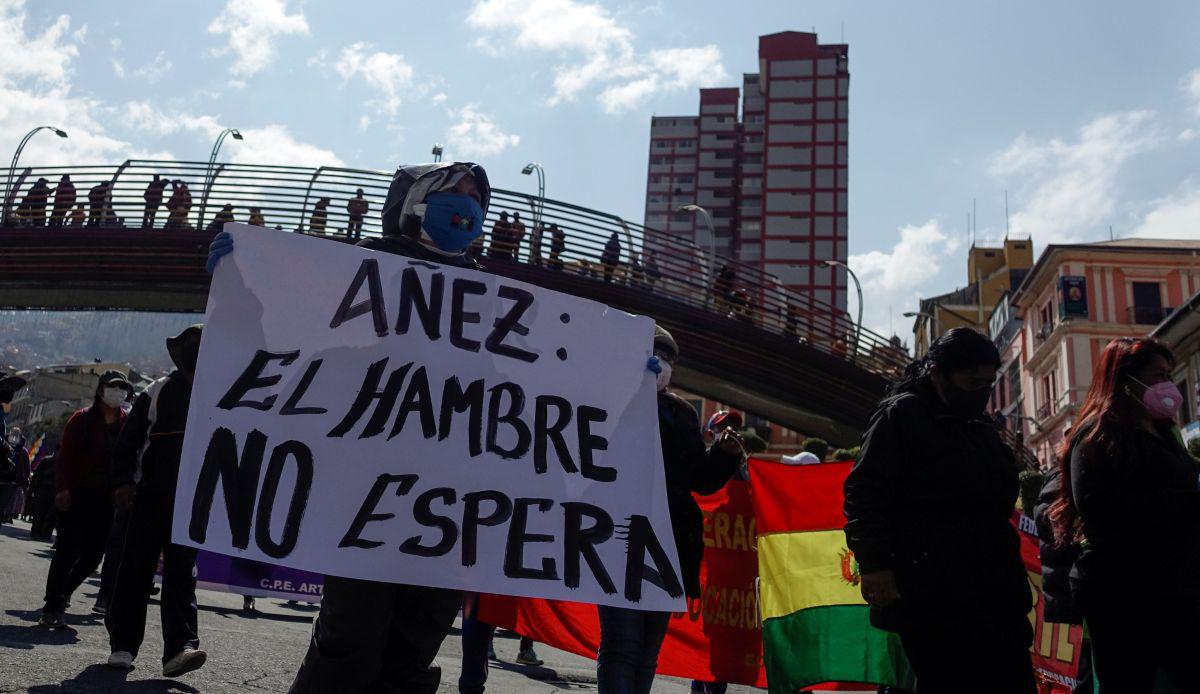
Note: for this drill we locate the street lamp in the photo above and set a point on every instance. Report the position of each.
(437, 153)
(541, 204)
(17, 155)
(712, 245)
(208, 175)
(858, 287)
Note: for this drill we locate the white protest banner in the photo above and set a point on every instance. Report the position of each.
(363, 414)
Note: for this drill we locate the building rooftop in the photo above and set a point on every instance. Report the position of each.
(1133, 245)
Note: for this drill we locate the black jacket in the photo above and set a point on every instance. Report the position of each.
(689, 468)
(931, 498)
(1140, 508)
(151, 442)
(1057, 559)
(403, 245)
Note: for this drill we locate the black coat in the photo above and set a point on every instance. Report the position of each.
(1057, 559)
(931, 498)
(1141, 513)
(690, 467)
(151, 442)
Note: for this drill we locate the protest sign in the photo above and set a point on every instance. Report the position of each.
(373, 416)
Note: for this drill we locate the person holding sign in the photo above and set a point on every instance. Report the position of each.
(383, 637)
(145, 472)
(630, 639)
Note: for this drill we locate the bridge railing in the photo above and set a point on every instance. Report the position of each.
(314, 201)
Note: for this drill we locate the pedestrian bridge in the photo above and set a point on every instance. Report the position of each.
(746, 342)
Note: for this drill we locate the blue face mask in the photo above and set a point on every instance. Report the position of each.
(452, 220)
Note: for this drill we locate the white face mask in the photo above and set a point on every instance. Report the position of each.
(664, 378)
(113, 397)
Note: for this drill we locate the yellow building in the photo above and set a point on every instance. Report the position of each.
(992, 272)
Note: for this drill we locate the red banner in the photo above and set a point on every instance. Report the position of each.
(1056, 647)
(717, 640)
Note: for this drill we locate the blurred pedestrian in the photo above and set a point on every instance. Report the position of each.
(558, 244)
(41, 493)
(78, 217)
(611, 256)
(145, 472)
(517, 236)
(83, 493)
(1132, 500)
(221, 218)
(153, 198)
(946, 582)
(64, 199)
(35, 204)
(256, 218)
(21, 472)
(501, 248)
(357, 208)
(320, 215)
(535, 243)
(179, 206)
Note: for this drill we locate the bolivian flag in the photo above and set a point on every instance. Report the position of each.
(815, 623)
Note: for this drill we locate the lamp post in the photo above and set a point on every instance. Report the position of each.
(8, 192)
(535, 246)
(858, 288)
(712, 246)
(437, 153)
(208, 174)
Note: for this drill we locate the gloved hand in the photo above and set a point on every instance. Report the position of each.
(653, 366)
(221, 246)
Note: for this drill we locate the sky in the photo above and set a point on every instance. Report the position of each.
(1086, 113)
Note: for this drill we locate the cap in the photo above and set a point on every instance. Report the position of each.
(664, 341)
(113, 377)
(724, 419)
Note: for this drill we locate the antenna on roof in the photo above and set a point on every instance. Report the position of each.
(1006, 229)
(974, 222)
(1110, 234)
(843, 37)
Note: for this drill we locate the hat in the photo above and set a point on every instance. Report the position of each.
(724, 419)
(175, 344)
(112, 377)
(664, 341)
(412, 184)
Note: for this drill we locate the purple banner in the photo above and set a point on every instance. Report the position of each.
(248, 577)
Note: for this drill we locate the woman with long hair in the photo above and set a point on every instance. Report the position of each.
(1133, 506)
(928, 509)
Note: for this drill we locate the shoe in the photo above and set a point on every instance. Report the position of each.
(248, 604)
(122, 660)
(527, 657)
(184, 661)
(52, 620)
(492, 653)
(101, 607)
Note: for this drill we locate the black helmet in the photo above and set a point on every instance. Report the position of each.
(413, 183)
(664, 341)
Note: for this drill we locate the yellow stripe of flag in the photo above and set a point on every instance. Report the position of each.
(806, 569)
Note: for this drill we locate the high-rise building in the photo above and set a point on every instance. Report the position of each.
(774, 177)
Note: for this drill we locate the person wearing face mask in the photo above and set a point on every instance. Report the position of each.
(81, 495)
(928, 510)
(1132, 501)
(21, 470)
(145, 470)
(631, 639)
(383, 637)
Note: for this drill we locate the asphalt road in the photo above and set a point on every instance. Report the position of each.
(246, 653)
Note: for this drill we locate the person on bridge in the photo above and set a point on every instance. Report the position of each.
(558, 244)
(82, 493)
(153, 197)
(630, 639)
(611, 256)
(928, 508)
(179, 206)
(78, 217)
(357, 208)
(517, 236)
(221, 218)
(320, 215)
(501, 248)
(34, 204)
(96, 196)
(148, 452)
(256, 218)
(64, 200)
(383, 637)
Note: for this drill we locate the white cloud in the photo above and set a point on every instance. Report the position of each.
(594, 50)
(1188, 134)
(118, 68)
(114, 43)
(387, 73)
(154, 70)
(43, 57)
(144, 116)
(476, 134)
(1173, 217)
(1069, 189)
(897, 277)
(1191, 87)
(253, 27)
(275, 144)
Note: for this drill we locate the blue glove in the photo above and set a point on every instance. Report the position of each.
(652, 365)
(221, 246)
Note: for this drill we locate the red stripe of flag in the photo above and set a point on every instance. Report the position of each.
(798, 498)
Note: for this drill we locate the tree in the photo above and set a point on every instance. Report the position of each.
(818, 447)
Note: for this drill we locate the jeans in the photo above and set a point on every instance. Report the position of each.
(1131, 644)
(82, 534)
(476, 637)
(148, 535)
(629, 645)
(112, 557)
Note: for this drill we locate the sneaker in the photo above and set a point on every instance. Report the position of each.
(101, 607)
(527, 657)
(248, 604)
(52, 620)
(184, 661)
(122, 660)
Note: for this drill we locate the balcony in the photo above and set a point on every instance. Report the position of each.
(1147, 315)
(1044, 411)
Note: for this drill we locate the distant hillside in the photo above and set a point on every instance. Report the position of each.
(40, 338)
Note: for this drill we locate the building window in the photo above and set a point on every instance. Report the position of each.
(685, 144)
(1147, 304)
(686, 178)
(661, 144)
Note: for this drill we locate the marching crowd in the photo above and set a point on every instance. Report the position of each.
(928, 505)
